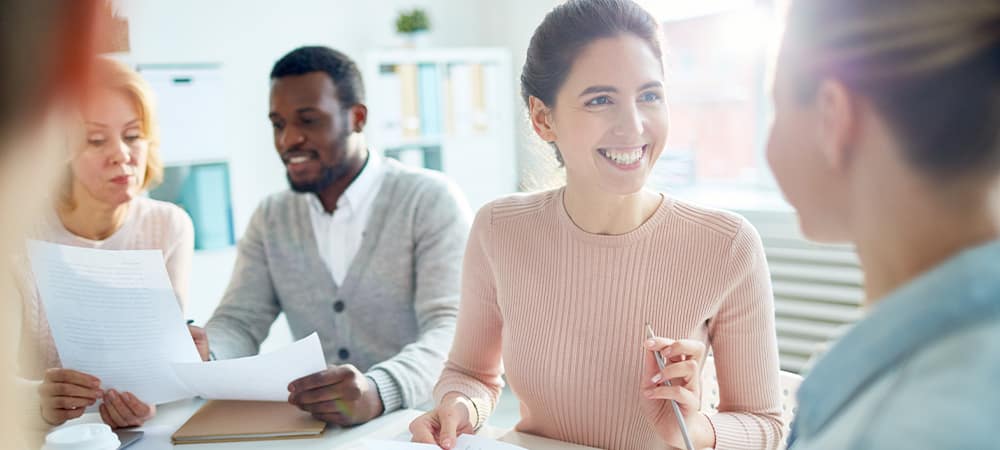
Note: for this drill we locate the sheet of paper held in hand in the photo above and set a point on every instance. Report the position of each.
(113, 314)
(262, 377)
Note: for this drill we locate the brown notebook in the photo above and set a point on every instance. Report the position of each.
(233, 420)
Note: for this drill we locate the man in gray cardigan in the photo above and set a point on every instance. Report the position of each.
(361, 250)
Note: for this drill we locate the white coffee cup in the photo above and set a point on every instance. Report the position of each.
(84, 436)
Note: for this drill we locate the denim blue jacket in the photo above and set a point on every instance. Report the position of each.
(921, 371)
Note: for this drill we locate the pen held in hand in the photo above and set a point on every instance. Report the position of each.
(673, 403)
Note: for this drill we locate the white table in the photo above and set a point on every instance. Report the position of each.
(393, 427)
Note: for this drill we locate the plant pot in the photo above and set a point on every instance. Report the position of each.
(417, 39)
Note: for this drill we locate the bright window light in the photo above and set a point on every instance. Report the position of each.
(717, 54)
(670, 10)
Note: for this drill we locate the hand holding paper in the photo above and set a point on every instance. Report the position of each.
(340, 395)
(114, 315)
(261, 377)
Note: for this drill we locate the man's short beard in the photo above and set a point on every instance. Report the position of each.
(327, 176)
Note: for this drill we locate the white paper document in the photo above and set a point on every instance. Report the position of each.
(262, 377)
(464, 442)
(114, 315)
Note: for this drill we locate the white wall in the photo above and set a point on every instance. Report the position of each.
(247, 37)
(510, 24)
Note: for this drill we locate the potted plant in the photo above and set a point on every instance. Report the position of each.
(413, 26)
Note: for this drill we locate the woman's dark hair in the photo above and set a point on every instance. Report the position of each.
(931, 69)
(570, 27)
(566, 30)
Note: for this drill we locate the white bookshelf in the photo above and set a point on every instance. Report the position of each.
(469, 135)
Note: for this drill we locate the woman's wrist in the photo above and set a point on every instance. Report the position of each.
(703, 432)
(459, 399)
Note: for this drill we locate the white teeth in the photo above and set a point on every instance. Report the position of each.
(624, 157)
(298, 159)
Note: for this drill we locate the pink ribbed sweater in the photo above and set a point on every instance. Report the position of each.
(560, 312)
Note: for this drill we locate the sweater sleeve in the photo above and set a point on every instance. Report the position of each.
(23, 410)
(474, 366)
(441, 226)
(746, 352)
(31, 405)
(250, 305)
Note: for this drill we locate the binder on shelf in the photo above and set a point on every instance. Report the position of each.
(492, 79)
(210, 210)
(409, 98)
(447, 103)
(448, 109)
(480, 122)
(386, 108)
(202, 190)
(429, 99)
(461, 98)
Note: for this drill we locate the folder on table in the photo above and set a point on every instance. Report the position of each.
(236, 420)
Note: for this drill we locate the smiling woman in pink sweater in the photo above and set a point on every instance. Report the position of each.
(558, 285)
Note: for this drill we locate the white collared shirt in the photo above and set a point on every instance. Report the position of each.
(338, 235)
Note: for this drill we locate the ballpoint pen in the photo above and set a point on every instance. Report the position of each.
(673, 403)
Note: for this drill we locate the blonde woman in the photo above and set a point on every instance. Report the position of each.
(887, 135)
(100, 205)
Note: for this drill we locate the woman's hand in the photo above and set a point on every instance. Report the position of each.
(122, 410)
(683, 369)
(66, 393)
(443, 424)
(200, 338)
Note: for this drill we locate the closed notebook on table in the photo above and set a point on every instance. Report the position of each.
(233, 421)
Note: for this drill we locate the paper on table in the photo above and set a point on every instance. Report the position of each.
(464, 442)
(262, 377)
(114, 315)
(378, 444)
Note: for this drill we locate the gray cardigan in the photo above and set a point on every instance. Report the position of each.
(394, 316)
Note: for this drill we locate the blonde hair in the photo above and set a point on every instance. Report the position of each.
(114, 75)
(930, 67)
